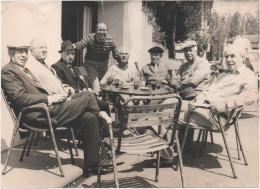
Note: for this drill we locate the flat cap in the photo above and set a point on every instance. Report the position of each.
(18, 44)
(156, 50)
(187, 44)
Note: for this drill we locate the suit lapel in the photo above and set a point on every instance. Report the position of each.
(27, 78)
(68, 70)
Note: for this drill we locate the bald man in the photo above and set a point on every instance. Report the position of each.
(98, 46)
(123, 70)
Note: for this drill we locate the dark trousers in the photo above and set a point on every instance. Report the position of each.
(81, 113)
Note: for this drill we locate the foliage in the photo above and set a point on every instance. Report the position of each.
(158, 35)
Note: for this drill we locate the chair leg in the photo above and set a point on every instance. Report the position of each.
(205, 141)
(56, 149)
(113, 155)
(240, 142)
(185, 135)
(30, 144)
(237, 142)
(226, 145)
(74, 141)
(211, 137)
(12, 143)
(36, 140)
(99, 160)
(157, 166)
(25, 145)
(201, 144)
(180, 160)
(197, 144)
(70, 149)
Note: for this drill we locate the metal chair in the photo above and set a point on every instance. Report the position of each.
(30, 130)
(231, 120)
(153, 114)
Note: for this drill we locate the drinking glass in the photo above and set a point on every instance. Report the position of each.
(109, 80)
(159, 83)
(116, 81)
(136, 83)
(154, 84)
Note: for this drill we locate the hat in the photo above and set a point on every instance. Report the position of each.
(156, 50)
(187, 93)
(187, 44)
(66, 46)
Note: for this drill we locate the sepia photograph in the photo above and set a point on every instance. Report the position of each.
(130, 94)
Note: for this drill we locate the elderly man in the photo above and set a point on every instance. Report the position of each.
(80, 112)
(193, 76)
(98, 47)
(65, 72)
(156, 70)
(123, 70)
(230, 90)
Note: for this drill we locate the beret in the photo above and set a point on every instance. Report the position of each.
(156, 50)
(187, 44)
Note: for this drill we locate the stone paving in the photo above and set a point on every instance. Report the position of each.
(211, 170)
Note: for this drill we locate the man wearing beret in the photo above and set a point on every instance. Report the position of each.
(79, 111)
(156, 70)
(193, 75)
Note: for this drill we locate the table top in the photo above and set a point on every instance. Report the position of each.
(139, 91)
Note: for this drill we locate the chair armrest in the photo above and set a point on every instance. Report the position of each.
(103, 115)
(39, 106)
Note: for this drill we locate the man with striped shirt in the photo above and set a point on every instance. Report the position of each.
(98, 47)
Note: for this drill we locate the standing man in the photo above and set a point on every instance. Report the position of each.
(156, 70)
(65, 72)
(193, 75)
(80, 112)
(98, 47)
(123, 70)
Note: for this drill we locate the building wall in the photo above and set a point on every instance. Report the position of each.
(128, 25)
(22, 21)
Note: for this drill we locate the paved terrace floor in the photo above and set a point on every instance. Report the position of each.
(211, 170)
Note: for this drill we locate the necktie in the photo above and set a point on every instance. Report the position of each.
(27, 71)
(71, 69)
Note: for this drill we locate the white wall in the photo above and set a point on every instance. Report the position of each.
(111, 13)
(22, 21)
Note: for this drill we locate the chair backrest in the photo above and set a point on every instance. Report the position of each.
(155, 113)
(9, 105)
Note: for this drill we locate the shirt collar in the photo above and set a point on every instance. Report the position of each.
(241, 69)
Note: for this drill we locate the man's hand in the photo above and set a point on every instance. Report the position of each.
(104, 115)
(58, 98)
(67, 88)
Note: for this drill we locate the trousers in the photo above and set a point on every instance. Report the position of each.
(81, 113)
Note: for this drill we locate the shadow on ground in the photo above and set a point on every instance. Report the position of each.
(127, 182)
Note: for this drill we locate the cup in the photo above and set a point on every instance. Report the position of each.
(109, 80)
(154, 84)
(159, 83)
(136, 83)
(116, 82)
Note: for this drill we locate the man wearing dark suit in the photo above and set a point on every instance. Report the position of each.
(65, 71)
(81, 111)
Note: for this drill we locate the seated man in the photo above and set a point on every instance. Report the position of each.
(123, 70)
(80, 112)
(65, 72)
(156, 70)
(193, 76)
(230, 90)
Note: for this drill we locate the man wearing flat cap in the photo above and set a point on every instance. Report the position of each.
(156, 70)
(193, 75)
(80, 112)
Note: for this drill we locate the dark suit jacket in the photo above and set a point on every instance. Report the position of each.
(67, 77)
(23, 91)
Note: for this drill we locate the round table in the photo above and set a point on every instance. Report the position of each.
(131, 91)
